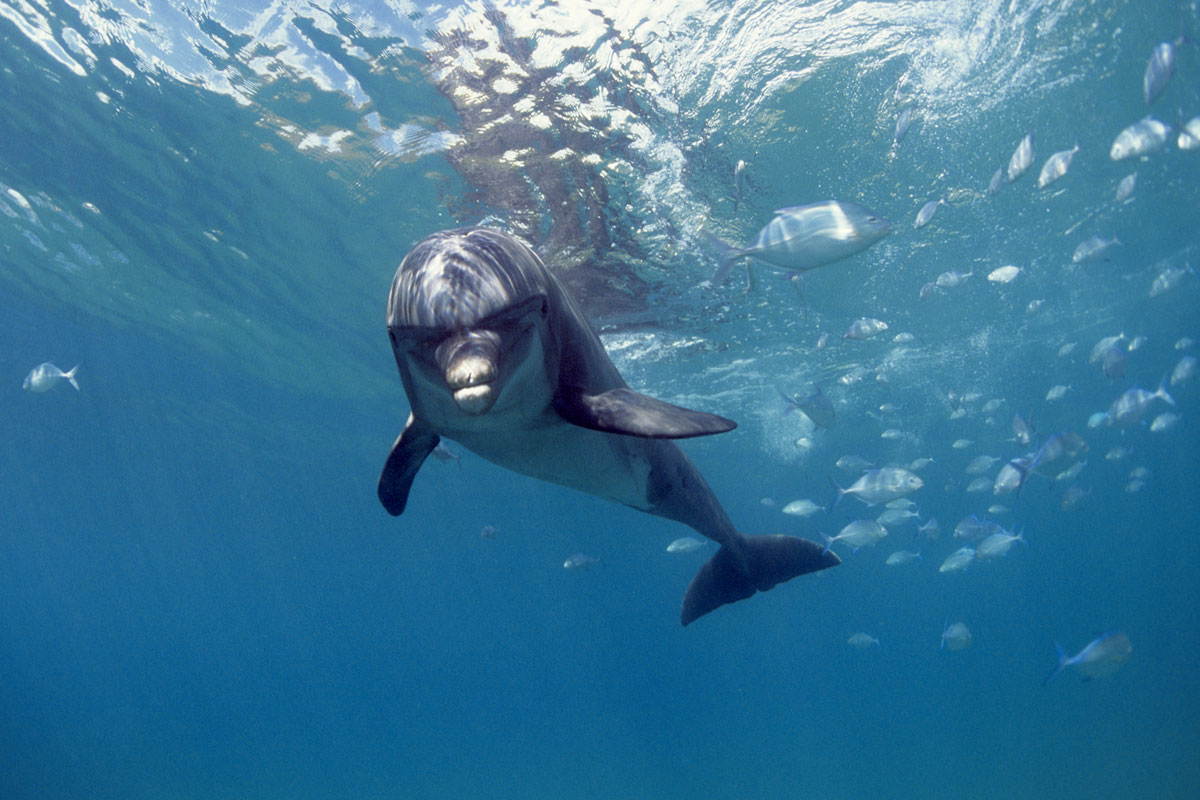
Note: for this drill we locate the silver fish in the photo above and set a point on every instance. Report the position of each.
(1022, 430)
(980, 484)
(1056, 166)
(902, 124)
(1103, 656)
(862, 641)
(1004, 274)
(816, 407)
(580, 561)
(801, 238)
(738, 179)
(952, 279)
(686, 544)
(1164, 422)
(445, 454)
(1112, 363)
(901, 557)
(853, 463)
(996, 182)
(1169, 278)
(1103, 346)
(1117, 453)
(1093, 248)
(802, 508)
(880, 485)
(958, 560)
(956, 636)
(1073, 496)
(46, 376)
(1142, 137)
(1184, 370)
(1159, 70)
(1126, 186)
(859, 533)
(926, 213)
(1071, 472)
(997, 545)
(864, 328)
(1011, 476)
(1189, 135)
(1130, 407)
(896, 516)
(980, 464)
(1021, 158)
(930, 529)
(1057, 392)
(970, 528)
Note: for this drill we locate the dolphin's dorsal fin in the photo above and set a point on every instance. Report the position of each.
(414, 444)
(628, 412)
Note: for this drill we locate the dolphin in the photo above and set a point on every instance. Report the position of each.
(495, 355)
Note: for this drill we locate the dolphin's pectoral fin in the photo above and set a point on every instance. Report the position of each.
(412, 447)
(628, 412)
(770, 560)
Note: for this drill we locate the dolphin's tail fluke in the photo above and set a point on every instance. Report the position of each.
(751, 564)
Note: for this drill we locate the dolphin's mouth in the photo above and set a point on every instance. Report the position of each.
(475, 400)
(470, 366)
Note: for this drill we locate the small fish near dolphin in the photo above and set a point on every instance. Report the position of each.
(1103, 656)
(495, 355)
(46, 376)
(816, 406)
(801, 238)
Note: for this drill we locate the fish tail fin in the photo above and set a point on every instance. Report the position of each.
(748, 564)
(727, 255)
(70, 376)
(1161, 393)
(837, 498)
(1063, 660)
(828, 542)
(791, 404)
(945, 627)
(1024, 470)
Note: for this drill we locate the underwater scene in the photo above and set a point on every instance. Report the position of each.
(859, 337)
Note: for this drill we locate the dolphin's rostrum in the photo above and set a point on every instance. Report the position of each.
(495, 355)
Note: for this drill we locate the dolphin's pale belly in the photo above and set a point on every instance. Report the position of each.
(602, 464)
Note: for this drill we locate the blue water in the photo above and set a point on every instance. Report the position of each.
(200, 596)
